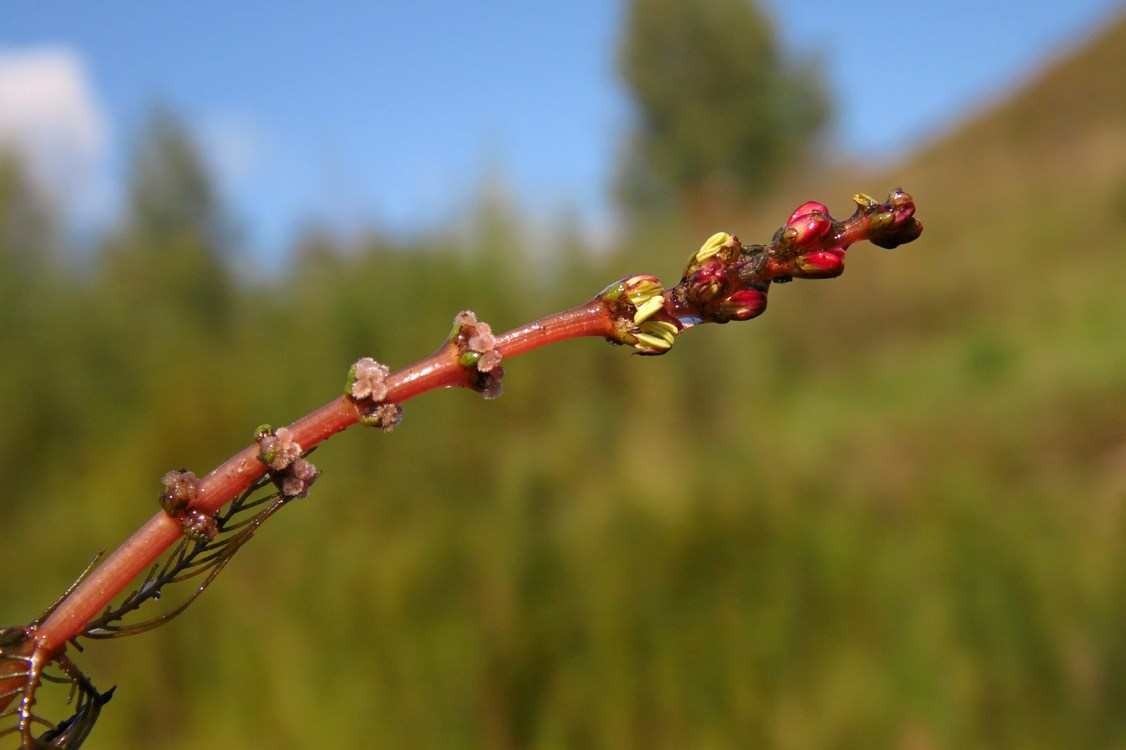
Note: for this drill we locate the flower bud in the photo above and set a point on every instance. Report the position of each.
(640, 289)
(900, 226)
(743, 305)
(808, 225)
(200, 528)
(807, 208)
(709, 281)
(180, 489)
(821, 264)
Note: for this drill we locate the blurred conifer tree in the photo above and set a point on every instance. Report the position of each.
(720, 110)
(25, 224)
(170, 254)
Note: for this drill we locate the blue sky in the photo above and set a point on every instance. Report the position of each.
(395, 114)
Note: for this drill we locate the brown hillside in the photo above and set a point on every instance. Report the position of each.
(1065, 130)
(1025, 213)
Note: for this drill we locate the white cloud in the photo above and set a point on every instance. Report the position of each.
(50, 117)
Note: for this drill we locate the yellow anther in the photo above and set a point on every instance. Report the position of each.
(646, 309)
(864, 200)
(661, 328)
(652, 343)
(712, 246)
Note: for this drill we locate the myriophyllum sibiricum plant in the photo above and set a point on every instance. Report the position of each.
(203, 521)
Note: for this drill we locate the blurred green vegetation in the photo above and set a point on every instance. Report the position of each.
(890, 513)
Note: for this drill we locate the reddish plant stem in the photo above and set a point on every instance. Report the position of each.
(585, 320)
(238, 473)
(722, 282)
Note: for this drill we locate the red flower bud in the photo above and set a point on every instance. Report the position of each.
(709, 281)
(743, 305)
(810, 223)
(822, 264)
(807, 208)
(898, 225)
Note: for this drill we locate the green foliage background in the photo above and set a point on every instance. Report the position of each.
(890, 513)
